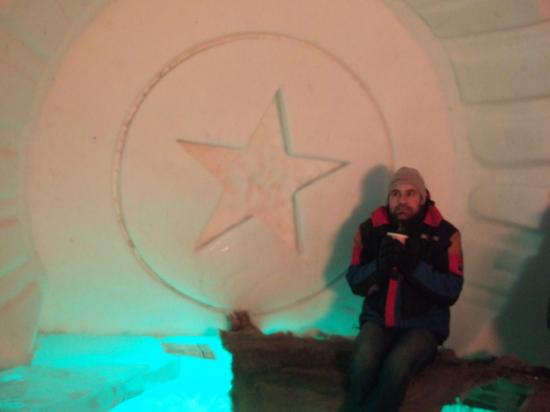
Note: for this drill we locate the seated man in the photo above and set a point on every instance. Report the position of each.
(408, 282)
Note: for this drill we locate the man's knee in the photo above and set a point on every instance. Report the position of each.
(363, 371)
(400, 367)
(364, 356)
(394, 374)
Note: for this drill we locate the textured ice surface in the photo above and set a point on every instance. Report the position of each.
(203, 384)
(95, 388)
(90, 373)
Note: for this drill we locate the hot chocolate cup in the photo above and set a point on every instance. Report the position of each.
(398, 236)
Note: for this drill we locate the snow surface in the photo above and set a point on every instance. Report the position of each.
(120, 373)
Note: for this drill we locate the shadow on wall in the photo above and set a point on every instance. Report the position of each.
(342, 316)
(523, 325)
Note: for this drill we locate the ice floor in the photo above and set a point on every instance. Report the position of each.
(120, 373)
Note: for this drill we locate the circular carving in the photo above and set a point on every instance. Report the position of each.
(239, 164)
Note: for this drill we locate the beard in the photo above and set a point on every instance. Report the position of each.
(405, 214)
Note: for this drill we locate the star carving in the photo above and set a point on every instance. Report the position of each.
(260, 180)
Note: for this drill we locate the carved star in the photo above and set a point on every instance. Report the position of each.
(261, 179)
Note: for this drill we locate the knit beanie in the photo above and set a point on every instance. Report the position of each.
(411, 176)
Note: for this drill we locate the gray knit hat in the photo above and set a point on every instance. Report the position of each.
(411, 176)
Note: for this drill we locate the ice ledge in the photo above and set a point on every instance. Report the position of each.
(95, 388)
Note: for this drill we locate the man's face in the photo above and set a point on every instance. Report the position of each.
(404, 201)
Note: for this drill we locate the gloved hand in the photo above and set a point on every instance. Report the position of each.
(409, 256)
(388, 255)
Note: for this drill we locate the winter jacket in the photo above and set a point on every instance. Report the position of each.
(422, 298)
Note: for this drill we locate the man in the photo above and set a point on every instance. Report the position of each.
(408, 286)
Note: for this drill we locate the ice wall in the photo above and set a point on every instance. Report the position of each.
(163, 165)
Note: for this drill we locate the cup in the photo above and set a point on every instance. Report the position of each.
(398, 236)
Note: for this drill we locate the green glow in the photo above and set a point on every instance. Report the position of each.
(458, 406)
(203, 385)
(121, 373)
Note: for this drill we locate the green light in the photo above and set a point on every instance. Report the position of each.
(202, 386)
(458, 406)
(121, 373)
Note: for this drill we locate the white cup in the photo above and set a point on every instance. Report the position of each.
(399, 236)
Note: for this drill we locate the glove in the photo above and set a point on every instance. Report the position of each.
(408, 256)
(388, 255)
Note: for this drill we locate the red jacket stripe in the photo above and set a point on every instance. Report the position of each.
(380, 217)
(391, 298)
(455, 255)
(455, 265)
(433, 216)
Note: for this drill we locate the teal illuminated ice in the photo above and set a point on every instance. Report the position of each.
(203, 385)
(458, 406)
(121, 373)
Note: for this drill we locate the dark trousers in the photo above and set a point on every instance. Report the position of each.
(383, 362)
